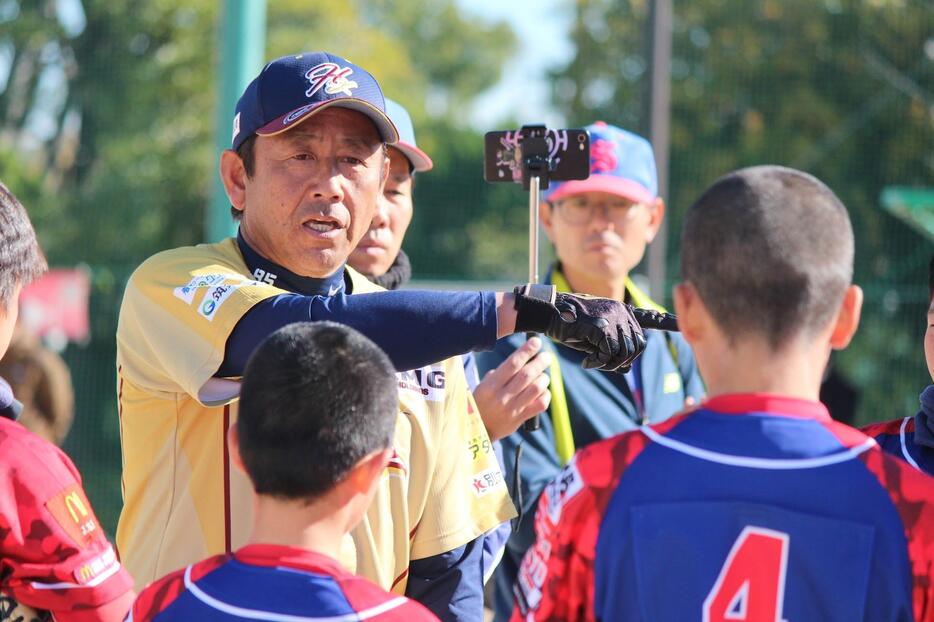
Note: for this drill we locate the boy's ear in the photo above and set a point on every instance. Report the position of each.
(368, 469)
(233, 445)
(690, 311)
(847, 320)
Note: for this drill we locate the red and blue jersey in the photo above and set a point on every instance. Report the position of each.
(909, 438)
(270, 582)
(897, 437)
(750, 507)
(54, 555)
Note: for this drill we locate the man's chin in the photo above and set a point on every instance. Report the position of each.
(372, 260)
(318, 263)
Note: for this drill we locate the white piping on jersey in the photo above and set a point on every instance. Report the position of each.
(256, 614)
(901, 437)
(757, 463)
(71, 586)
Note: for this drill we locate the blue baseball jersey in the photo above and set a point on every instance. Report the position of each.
(897, 437)
(268, 582)
(750, 507)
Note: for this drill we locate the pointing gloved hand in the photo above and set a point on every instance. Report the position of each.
(603, 328)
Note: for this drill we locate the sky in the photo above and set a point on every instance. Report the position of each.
(542, 28)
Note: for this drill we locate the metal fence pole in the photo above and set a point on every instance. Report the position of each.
(242, 38)
(659, 109)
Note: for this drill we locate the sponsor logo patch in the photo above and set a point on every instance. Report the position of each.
(71, 510)
(295, 114)
(427, 382)
(332, 78)
(487, 481)
(562, 489)
(96, 566)
(479, 447)
(214, 298)
(187, 292)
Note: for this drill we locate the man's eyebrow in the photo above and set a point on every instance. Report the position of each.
(300, 134)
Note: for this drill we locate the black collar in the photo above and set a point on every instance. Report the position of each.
(266, 271)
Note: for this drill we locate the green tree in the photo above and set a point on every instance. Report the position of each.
(106, 121)
(841, 88)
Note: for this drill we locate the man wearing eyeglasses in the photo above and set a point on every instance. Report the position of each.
(600, 228)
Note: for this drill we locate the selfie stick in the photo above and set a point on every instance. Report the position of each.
(535, 165)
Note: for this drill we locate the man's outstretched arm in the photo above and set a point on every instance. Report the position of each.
(417, 328)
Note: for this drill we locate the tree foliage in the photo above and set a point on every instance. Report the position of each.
(122, 166)
(841, 88)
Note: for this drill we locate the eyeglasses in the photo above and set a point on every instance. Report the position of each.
(580, 210)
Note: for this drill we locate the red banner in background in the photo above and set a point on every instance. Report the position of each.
(55, 307)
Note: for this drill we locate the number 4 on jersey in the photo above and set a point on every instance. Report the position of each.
(751, 585)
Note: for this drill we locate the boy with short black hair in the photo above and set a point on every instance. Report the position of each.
(318, 408)
(912, 438)
(54, 557)
(756, 505)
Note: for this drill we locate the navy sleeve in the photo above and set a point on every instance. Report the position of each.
(415, 328)
(450, 585)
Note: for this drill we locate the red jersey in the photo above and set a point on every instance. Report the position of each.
(54, 555)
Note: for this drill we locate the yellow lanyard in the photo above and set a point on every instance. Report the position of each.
(560, 417)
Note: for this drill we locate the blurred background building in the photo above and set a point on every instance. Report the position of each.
(108, 130)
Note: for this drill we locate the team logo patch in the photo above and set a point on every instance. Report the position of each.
(187, 292)
(427, 382)
(71, 510)
(487, 481)
(332, 78)
(603, 156)
(562, 489)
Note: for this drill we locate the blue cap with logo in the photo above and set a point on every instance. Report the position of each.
(291, 88)
(406, 144)
(621, 163)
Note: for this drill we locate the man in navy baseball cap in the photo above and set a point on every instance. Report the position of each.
(291, 88)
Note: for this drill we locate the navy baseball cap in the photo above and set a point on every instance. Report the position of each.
(292, 88)
(621, 163)
(406, 144)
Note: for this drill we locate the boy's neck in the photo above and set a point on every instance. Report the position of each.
(319, 526)
(753, 367)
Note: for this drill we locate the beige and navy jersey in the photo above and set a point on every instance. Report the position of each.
(184, 502)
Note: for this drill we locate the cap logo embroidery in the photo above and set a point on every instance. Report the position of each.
(297, 113)
(603, 156)
(332, 77)
(236, 126)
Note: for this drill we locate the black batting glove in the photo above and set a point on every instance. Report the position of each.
(603, 328)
